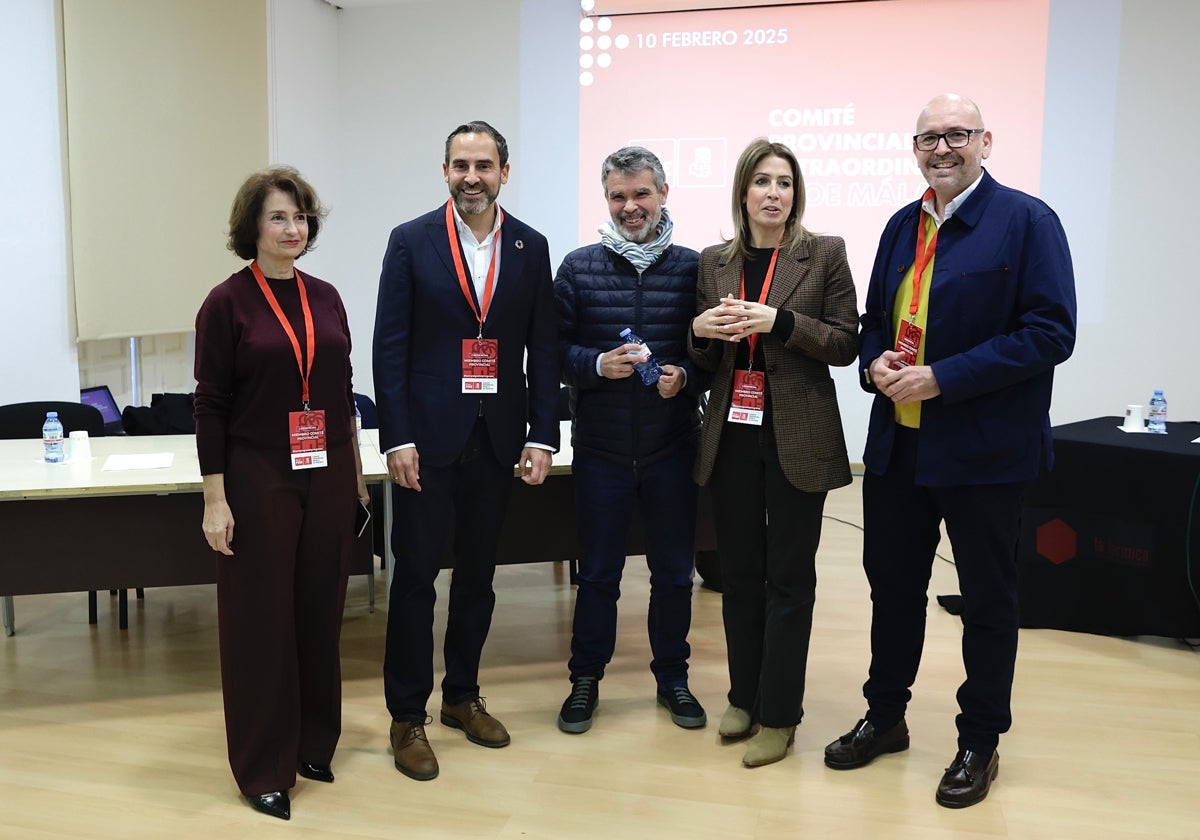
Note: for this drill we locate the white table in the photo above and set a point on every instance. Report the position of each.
(74, 526)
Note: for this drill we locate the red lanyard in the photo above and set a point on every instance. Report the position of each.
(287, 328)
(752, 339)
(456, 252)
(925, 250)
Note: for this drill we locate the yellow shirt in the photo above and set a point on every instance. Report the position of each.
(909, 414)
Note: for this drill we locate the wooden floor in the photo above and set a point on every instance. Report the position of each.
(107, 733)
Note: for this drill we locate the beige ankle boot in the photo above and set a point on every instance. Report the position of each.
(735, 723)
(768, 745)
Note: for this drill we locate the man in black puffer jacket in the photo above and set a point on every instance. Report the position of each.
(634, 443)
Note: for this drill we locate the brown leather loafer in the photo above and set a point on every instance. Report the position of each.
(414, 756)
(862, 744)
(967, 779)
(472, 718)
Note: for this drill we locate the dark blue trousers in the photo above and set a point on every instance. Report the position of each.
(902, 529)
(606, 495)
(473, 492)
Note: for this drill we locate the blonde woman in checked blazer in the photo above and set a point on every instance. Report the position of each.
(772, 444)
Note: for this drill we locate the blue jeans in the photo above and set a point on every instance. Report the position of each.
(606, 495)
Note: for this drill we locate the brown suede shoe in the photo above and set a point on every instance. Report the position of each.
(414, 756)
(472, 718)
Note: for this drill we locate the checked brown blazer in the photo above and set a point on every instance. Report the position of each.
(814, 283)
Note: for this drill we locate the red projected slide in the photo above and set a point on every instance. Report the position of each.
(839, 83)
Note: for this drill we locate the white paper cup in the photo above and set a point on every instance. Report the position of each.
(81, 446)
(1135, 418)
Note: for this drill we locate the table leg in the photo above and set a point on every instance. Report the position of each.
(9, 616)
(388, 558)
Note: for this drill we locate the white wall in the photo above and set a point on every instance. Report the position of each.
(1150, 335)
(408, 75)
(37, 320)
(549, 65)
(303, 74)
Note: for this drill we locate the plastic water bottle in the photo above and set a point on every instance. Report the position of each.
(52, 439)
(1158, 414)
(648, 369)
(357, 423)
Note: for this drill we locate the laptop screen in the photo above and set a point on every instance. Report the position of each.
(101, 398)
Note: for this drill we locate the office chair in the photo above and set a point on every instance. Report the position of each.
(24, 420)
(19, 421)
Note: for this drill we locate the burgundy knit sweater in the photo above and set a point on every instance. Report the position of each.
(247, 379)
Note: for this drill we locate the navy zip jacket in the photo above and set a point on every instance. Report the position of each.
(598, 294)
(1001, 315)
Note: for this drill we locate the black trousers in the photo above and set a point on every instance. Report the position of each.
(767, 538)
(902, 530)
(473, 492)
(279, 612)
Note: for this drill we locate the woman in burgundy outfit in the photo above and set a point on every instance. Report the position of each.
(275, 435)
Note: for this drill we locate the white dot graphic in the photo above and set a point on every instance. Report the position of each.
(587, 25)
(604, 42)
(604, 59)
(605, 24)
(586, 42)
(585, 78)
(585, 60)
(587, 5)
(622, 41)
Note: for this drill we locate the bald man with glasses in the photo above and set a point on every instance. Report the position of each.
(970, 306)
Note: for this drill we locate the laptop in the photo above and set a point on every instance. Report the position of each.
(101, 398)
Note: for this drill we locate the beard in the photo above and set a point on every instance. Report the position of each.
(646, 233)
(473, 205)
(959, 177)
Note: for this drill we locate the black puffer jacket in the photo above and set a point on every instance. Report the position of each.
(598, 294)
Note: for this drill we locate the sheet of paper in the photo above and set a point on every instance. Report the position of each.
(135, 461)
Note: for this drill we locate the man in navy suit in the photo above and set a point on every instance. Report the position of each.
(971, 305)
(466, 379)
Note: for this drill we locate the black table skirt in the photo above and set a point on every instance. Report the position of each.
(1110, 539)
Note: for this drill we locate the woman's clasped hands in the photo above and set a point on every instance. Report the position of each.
(733, 319)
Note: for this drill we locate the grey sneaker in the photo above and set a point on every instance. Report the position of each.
(685, 709)
(576, 713)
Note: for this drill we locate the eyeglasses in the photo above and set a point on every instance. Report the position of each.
(954, 139)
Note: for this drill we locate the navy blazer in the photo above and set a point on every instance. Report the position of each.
(421, 319)
(1001, 316)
